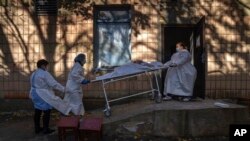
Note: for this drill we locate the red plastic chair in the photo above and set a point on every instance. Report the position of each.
(65, 124)
(91, 126)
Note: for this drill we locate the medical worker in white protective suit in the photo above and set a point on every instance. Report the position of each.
(74, 93)
(181, 75)
(43, 97)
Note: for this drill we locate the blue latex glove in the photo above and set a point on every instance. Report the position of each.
(85, 81)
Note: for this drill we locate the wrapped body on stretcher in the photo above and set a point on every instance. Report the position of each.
(131, 68)
(127, 71)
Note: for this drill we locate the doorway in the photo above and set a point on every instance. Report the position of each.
(192, 35)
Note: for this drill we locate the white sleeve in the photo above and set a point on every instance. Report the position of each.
(166, 65)
(77, 74)
(53, 83)
(182, 58)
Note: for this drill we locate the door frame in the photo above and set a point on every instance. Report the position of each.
(163, 26)
(201, 23)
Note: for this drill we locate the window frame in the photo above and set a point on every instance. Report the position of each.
(97, 8)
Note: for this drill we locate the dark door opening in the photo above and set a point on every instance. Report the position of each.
(192, 36)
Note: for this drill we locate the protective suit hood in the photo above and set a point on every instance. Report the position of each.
(80, 58)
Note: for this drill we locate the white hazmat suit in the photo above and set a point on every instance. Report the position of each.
(42, 85)
(74, 93)
(180, 79)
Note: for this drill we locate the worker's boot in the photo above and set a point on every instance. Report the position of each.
(37, 116)
(166, 98)
(46, 118)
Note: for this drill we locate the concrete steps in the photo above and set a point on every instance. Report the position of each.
(173, 118)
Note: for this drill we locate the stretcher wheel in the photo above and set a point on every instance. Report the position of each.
(107, 113)
(158, 99)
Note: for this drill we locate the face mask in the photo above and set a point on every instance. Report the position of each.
(83, 62)
(79, 63)
(177, 49)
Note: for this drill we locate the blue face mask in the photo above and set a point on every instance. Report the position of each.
(177, 49)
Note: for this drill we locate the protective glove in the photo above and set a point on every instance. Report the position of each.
(61, 95)
(85, 81)
(173, 65)
(166, 65)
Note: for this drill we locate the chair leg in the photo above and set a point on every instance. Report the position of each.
(84, 135)
(99, 136)
(76, 134)
(63, 134)
(60, 134)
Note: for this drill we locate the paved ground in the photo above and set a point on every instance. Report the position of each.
(18, 126)
(21, 129)
(130, 109)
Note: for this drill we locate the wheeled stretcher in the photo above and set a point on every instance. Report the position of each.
(149, 73)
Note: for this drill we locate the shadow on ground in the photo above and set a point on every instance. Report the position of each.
(18, 126)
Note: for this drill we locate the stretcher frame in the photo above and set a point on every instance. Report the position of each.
(149, 73)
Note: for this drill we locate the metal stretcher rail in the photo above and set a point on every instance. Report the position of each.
(107, 110)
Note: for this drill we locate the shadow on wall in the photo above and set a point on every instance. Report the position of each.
(224, 33)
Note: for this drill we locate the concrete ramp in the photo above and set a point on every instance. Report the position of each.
(173, 118)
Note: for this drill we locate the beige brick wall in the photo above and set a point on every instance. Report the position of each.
(227, 43)
(228, 50)
(25, 38)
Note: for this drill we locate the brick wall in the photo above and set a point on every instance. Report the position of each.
(228, 49)
(25, 38)
(227, 37)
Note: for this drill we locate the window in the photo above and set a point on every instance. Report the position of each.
(112, 25)
(4, 2)
(46, 7)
